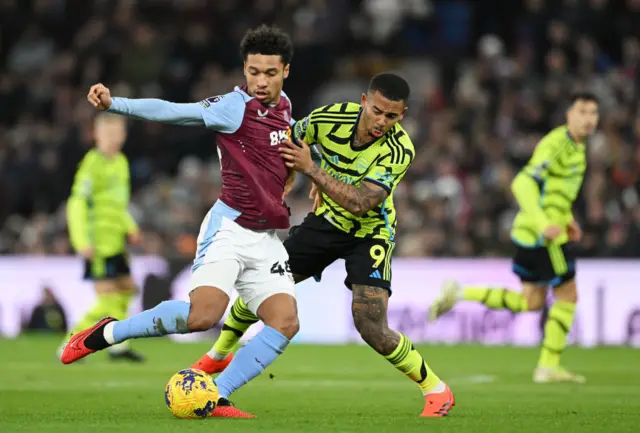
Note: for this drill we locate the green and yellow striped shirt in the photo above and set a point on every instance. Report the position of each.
(383, 162)
(547, 187)
(97, 213)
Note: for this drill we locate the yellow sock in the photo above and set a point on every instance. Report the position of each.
(240, 318)
(124, 299)
(107, 304)
(494, 298)
(409, 361)
(556, 329)
(121, 311)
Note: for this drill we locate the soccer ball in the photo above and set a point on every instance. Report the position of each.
(191, 393)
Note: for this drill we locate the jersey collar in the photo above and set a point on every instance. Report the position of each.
(573, 141)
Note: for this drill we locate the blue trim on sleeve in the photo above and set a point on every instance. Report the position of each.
(377, 182)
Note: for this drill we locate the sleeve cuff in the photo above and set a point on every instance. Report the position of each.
(377, 182)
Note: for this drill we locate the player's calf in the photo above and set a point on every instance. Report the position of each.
(369, 311)
(556, 330)
(279, 313)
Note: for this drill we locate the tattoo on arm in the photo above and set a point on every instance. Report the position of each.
(357, 200)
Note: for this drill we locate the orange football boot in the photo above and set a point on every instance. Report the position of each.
(226, 409)
(211, 366)
(438, 405)
(76, 347)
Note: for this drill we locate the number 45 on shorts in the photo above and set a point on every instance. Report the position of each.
(277, 268)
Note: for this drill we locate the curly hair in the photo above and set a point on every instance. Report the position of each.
(269, 41)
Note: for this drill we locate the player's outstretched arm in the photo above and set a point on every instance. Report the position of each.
(356, 200)
(220, 113)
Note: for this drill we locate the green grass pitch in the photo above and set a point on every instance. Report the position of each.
(320, 389)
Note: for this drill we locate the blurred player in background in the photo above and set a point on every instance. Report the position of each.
(365, 154)
(99, 223)
(238, 245)
(543, 232)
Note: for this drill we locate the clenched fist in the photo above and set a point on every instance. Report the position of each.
(99, 96)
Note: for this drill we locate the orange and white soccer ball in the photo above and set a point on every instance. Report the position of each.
(191, 393)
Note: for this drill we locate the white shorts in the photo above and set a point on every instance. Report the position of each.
(229, 256)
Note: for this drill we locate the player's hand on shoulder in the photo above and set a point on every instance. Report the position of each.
(99, 97)
(574, 232)
(552, 231)
(297, 157)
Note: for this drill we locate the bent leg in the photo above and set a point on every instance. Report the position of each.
(209, 299)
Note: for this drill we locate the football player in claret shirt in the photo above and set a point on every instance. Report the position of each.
(237, 245)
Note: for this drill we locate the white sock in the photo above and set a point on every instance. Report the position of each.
(107, 333)
(438, 389)
(215, 355)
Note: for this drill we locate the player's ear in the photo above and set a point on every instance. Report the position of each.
(363, 100)
(285, 73)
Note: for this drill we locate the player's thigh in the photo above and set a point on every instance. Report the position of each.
(217, 265)
(211, 286)
(106, 286)
(311, 247)
(126, 284)
(267, 273)
(368, 263)
(535, 294)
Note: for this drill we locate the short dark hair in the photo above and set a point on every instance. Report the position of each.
(391, 86)
(583, 96)
(270, 41)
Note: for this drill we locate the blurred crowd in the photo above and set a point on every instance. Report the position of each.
(488, 78)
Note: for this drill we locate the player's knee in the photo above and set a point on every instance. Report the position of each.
(207, 307)
(567, 292)
(288, 325)
(535, 301)
(280, 312)
(199, 320)
(534, 296)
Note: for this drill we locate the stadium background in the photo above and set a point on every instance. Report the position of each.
(488, 80)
